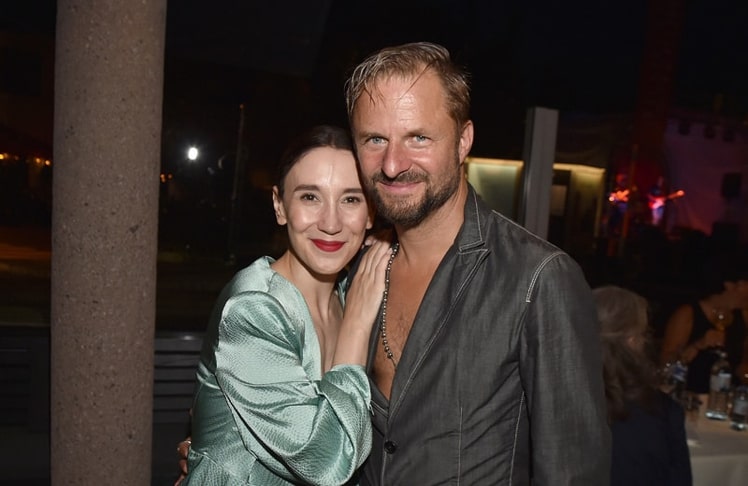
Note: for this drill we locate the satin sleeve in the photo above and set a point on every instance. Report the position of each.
(316, 430)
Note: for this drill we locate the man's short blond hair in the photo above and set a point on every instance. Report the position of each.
(411, 61)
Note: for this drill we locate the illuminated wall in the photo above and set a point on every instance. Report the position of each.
(577, 196)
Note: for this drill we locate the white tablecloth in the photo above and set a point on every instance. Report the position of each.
(719, 455)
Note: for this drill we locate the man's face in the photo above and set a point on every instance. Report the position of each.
(409, 148)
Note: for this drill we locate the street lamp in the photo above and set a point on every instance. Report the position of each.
(192, 153)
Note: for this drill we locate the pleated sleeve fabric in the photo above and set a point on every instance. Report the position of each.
(263, 412)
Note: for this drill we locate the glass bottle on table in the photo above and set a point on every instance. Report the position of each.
(679, 377)
(739, 412)
(720, 382)
(673, 380)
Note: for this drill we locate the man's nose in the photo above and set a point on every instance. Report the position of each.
(395, 161)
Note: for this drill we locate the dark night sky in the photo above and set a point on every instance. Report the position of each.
(576, 55)
(286, 60)
(581, 56)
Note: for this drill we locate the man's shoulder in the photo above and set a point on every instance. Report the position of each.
(504, 232)
(507, 241)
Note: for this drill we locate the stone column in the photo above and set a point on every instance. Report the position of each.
(107, 139)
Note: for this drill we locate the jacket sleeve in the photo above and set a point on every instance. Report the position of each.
(561, 372)
(318, 431)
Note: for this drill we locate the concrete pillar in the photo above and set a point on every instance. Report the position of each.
(537, 173)
(107, 138)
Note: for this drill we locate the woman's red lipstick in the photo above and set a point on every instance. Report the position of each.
(328, 245)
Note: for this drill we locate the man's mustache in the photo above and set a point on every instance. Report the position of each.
(403, 178)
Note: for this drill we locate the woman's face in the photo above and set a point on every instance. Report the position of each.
(324, 207)
(637, 340)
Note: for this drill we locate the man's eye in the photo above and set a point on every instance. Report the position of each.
(420, 138)
(376, 140)
(308, 197)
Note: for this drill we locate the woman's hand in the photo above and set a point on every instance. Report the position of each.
(365, 293)
(362, 303)
(711, 339)
(183, 448)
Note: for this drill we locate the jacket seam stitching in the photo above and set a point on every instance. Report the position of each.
(516, 435)
(536, 274)
(459, 449)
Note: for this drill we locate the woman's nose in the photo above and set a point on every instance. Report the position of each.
(330, 221)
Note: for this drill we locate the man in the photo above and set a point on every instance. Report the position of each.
(619, 201)
(657, 199)
(486, 365)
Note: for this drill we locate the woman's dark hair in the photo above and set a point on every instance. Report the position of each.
(629, 370)
(731, 266)
(316, 137)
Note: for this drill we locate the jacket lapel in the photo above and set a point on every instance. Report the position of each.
(434, 314)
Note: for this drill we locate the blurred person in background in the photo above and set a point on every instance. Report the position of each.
(648, 427)
(718, 320)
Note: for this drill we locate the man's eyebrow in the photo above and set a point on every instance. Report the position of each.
(369, 135)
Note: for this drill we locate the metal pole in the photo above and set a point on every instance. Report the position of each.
(236, 192)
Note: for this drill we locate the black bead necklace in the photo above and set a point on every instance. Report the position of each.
(383, 328)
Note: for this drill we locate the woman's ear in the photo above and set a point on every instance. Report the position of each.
(280, 210)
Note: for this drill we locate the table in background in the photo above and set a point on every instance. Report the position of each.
(719, 455)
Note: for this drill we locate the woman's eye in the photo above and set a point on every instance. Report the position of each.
(353, 199)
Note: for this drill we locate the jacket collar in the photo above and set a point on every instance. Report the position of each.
(471, 235)
(444, 291)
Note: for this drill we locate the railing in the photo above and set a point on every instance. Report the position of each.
(24, 376)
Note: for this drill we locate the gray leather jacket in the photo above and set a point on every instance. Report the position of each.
(501, 377)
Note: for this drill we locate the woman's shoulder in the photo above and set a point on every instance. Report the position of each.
(257, 279)
(259, 290)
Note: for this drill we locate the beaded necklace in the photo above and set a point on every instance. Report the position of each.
(383, 328)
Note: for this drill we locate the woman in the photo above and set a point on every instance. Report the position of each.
(648, 429)
(282, 396)
(718, 320)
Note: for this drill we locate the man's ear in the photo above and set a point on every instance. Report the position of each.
(280, 210)
(466, 140)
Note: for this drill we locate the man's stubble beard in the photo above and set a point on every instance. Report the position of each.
(408, 214)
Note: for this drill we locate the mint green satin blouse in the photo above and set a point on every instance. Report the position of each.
(263, 413)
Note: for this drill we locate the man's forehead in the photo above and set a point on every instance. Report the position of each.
(392, 87)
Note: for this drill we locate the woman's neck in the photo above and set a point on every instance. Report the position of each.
(318, 290)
